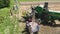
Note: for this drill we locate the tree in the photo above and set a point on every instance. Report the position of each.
(4, 3)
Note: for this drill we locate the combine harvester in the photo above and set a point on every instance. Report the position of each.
(46, 15)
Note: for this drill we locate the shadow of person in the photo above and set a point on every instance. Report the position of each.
(26, 30)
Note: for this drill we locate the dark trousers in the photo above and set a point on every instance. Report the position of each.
(35, 32)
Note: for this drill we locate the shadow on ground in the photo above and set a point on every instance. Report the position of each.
(26, 31)
(50, 24)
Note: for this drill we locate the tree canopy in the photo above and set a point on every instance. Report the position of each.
(4, 3)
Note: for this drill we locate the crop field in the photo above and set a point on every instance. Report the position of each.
(9, 25)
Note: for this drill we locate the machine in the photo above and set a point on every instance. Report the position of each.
(46, 15)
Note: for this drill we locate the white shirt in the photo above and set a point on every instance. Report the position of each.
(34, 27)
(27, 23)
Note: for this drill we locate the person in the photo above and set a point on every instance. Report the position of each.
(33, 27)
(28, 21)
(27, 25)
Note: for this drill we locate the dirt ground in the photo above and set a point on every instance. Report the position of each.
(51, 5)
(44, 29)
(49, 30)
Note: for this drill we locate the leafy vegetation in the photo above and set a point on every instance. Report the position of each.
(4, 3)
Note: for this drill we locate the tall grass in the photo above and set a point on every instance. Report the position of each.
(7, 24)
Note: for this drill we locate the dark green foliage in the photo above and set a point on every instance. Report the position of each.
(4, 3)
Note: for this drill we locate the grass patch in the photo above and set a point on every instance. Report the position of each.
(7, 24)
(28, 0)
(12, 1)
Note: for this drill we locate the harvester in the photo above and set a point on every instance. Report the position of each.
(46, 15)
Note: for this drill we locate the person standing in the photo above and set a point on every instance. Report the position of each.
(33, 27)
